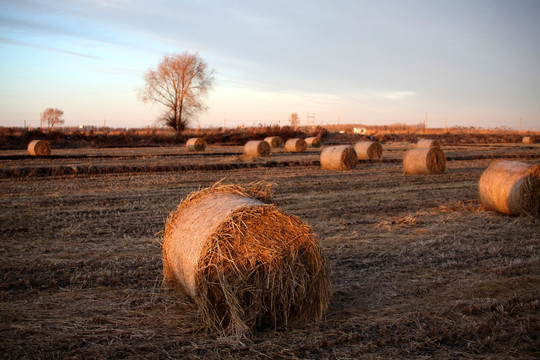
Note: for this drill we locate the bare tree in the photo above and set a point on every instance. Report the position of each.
(294, 120)
(180, 82)
(52, 117)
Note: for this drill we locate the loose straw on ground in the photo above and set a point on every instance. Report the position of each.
(257, 148)
(313, 142)
(511, 187)
(528, 140)
(368, 150)
(246, 264)
(196, 144)
(274, 141)
(39, 148)
(424, 161)
(340, 157)
(427, 143)
(296, 145)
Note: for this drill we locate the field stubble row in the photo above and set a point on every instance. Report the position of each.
(418, 269)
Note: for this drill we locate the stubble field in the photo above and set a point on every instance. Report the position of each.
(418, 268)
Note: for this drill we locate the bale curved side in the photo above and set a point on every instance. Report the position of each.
(427, 143)
(196, 144)
(39, 148)
(340, 157)
(313, 142)
(257, 148)
(424, 161)
(528, 140)
(368, 150)
(246, 264)
(274, 141)
(296, 145)
(511, 187)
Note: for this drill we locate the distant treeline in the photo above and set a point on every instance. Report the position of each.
(18, 138)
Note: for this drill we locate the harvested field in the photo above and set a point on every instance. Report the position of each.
(418, 268)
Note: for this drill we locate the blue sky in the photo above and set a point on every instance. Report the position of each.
(471, 63)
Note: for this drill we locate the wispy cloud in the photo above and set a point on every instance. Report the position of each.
(385, 95)
(4, 40)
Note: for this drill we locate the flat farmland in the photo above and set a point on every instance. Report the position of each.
(418, 268)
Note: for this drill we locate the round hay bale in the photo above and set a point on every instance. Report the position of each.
(427, 143)
(257, 148)
(529, 140)
(39, 148)
(368, 150)
(424, 161)
(340, 157)
(296, 145)
(313, 142)
(274, 141)
(196, 144)
(511, 187)
(245, 263)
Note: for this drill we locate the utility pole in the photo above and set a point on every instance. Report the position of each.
(520, 124)
(425, 125)
(312, 117)
(445, 127)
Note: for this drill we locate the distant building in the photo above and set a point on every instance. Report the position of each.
(361, 131)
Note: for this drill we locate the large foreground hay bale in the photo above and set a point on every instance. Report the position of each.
(39, 148)
(424, 161)
(529, 140)
(245, 263)
(296, 145)
(368, 150)
(274, 141)
(257, 148)
(196, 144)
(340, 157)
(511, 187)
(313, 142)
(427, 143)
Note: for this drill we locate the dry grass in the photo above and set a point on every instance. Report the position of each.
(419, 270)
